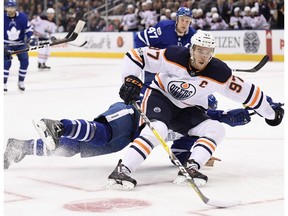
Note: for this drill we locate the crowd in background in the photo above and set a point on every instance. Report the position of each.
(132, 15)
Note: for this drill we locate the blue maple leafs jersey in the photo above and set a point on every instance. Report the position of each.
(162, 36)
(16, 28)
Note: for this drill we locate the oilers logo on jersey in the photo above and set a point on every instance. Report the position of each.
(181, 90)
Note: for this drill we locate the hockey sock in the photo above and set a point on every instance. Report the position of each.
(202, 150)
(137, 153)
(87, 131)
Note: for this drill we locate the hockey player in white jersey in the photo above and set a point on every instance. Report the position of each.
(176, 98)
(43, 29)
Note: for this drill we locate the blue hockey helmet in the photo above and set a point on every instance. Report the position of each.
(184, 11)
(11, 3)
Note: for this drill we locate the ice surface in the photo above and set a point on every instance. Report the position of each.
(251, 170)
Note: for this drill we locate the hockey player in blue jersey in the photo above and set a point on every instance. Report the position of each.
(168, 32)
(105, 134)
(17, 33)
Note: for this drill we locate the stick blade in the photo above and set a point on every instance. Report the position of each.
(222, 204)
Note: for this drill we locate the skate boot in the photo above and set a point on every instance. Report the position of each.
(192, 169)
(15, 151)
(5, 87)
(43, 66)
(50, 131)
(120, 179)
(21, 86)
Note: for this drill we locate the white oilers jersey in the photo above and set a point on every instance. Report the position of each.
(179, 82)
(43, 28)
(130, 21)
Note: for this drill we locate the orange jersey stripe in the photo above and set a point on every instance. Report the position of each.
(255, 98)
(160, 82)
(142, 145)
(207, 142)
(136, 55)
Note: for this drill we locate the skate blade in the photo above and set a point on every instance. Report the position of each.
(48, 140)
(112, 184)
(181, 180)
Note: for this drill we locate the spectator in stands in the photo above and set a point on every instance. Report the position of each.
(147, 15)
(280, 15)
(218, 23)
(222, 10)
(258, 21)
(264, 9)
(198, 22)
(130, 20)
(246, 20)
(235, 19)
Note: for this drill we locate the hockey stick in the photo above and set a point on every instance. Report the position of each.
(81, 45)
(215, 203)
(263, 61)
(68, 38)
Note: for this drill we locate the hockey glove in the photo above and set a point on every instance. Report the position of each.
(279, 112)
(235, 117)
(130, 90)
(212, 102)
(33, 41)
(7, 55)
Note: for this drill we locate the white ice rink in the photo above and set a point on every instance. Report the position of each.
(251, 170)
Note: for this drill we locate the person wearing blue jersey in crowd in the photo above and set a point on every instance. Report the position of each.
(17, 34)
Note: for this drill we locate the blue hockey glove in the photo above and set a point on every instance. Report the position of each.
(235, 117)
(212, 102)
(33, 41)
(7, 55)
(130, 90)
(279, 112)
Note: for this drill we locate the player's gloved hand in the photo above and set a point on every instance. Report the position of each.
(130, 90)
(7, 55)
(279, 112)
(33, 41)
(212, 102)
(233, 117)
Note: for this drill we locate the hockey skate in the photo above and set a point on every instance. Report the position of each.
(120, 179)
(50, 131)
(21, 86)
(5, 87)
(198, 178)
(43, 66)
(15, 151)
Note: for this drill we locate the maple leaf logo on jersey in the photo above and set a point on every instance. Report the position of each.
(181, 90)
(13, 34)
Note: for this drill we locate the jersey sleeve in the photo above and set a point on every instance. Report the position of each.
(148, 37)
(142, 59)
(249, 95)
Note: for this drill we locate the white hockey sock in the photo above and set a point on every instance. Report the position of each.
(137, 153)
